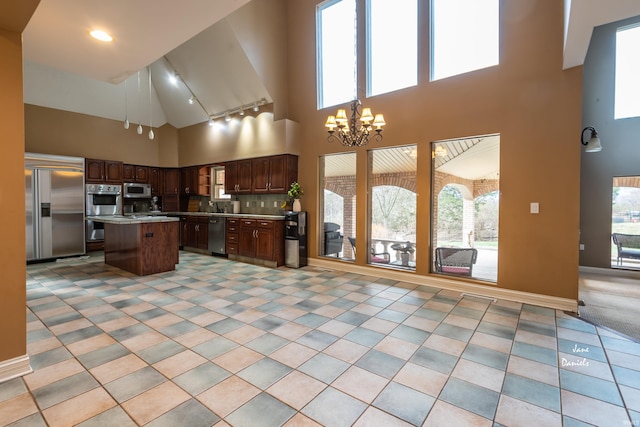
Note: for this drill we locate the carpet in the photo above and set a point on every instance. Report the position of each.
(612, 302)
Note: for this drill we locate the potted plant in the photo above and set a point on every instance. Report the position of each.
(294, 193)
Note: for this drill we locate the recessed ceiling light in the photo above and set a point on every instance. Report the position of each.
(101, 35)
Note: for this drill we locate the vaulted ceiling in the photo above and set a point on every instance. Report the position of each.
(65, 69)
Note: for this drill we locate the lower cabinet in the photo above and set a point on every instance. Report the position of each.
(256, 238)
(195, 232)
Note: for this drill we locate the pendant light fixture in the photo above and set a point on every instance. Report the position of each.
(151, 135)
(139, 129)
(126, 117)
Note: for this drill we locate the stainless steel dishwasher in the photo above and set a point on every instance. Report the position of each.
(217, 237)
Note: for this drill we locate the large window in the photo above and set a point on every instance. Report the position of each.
(336, 52)
(625, 222)
(465, 206)
(627, 90)
(392, 45)
(392, 227)
(338, 192)
(465, 36)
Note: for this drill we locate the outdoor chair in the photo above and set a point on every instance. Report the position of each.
(332, 239)
(628, 246)
(379, 257)
(457, 261)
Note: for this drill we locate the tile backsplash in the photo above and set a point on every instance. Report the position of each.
(267, 204)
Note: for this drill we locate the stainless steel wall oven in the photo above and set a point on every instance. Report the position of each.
(101, 200)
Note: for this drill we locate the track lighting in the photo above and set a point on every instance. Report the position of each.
(192, 100)
(227, 117)
(211, 121)
(173, 78)
(255, 107)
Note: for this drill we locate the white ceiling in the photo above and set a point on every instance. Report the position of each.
(65, 69)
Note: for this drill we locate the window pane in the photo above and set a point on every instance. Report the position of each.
(627, 73)
(465, 206)
(392, 183)
(336, 45)
(625, 222)
(392, 45)
(338, 190)
(465, 36)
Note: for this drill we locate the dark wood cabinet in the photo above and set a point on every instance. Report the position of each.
(195, 181)
(103, 171)
(197, 232)
(135, 173)
(261, 239)
(183, 231)
(156, 180)
(171, 181)
(274, 174)
(238, 177)
(233, 236)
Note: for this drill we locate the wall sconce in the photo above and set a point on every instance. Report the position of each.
(593, 144)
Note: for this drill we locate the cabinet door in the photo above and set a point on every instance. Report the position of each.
(260, 170)
(279, 176)
(264, 243)
(170, 203)
(183, 230)
(113, 172)
(128, 173)
(244, 176)
(142, 174)
(94, 170)
(202, 231)
(247, 244)
(230, 177)
(156, 180)
(171, 181)
(192, 232)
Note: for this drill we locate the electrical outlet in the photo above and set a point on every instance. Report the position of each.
(247, 204)
(275, 204)
(582, 246)
(261, 204)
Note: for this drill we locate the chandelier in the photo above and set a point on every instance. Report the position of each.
(355, 130)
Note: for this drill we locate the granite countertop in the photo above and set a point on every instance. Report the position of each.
(132, 219)
(225, 215)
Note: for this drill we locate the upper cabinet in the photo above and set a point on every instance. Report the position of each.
(171, 181)
(103, 171)
(238, 177)
(261, 175)
(195, 181)
(135, 173)
(274, 174)
(156, 180)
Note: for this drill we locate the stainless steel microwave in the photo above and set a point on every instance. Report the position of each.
(134, 190)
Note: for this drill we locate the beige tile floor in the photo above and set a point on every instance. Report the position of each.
(220, 343)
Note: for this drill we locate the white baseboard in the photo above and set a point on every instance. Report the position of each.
(488, 291)
(13, 368)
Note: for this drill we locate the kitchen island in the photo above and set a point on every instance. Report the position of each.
(142, 245)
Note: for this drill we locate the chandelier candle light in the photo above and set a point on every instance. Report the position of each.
(355, 130)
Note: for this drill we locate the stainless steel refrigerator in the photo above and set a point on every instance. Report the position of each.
(54, 206)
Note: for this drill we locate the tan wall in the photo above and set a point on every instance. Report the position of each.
(51, 131)
(13, 326)
(261, 28)
(528, 99)
(238, 139)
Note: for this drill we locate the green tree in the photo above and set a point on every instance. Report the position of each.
(449, 213)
